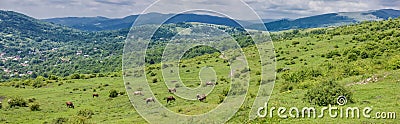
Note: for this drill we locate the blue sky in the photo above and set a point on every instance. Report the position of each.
(267, 9)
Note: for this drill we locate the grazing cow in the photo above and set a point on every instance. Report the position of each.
(70, 104)
(138, 93)
(95, 95)
(201, 97)
(210, 84)
(172, 90)
(170, 98)
(151, 99)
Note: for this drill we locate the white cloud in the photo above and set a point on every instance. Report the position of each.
(120, 8)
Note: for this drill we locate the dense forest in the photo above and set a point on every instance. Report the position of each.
(31, 48)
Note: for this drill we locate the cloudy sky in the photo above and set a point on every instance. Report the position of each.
(267, 9)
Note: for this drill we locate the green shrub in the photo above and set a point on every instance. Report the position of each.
(35, 107)
(101, 75)
(221, 98)
(82, 76)
(85, 113)
(332, 54)
(122, 93)
(60, 120)
(295, 42)
(17, 101)
(38, 82)
(32, 100)
(394, 63)
(69, 82)
(53, 77)
(92, 76)
(153, 74)
(113, 93)
(326, 93)
(78, 120)
(336, 46)
(287, 87)
(352, 57)
(75, 76)
(225, 92)
(155, 80)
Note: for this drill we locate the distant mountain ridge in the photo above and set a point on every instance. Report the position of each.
(324, 20)
(103, 23)
(330, 19)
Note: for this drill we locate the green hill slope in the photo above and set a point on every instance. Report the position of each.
(305, 59)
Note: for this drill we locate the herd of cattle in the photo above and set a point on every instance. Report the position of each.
(201, 98)
(169, 98)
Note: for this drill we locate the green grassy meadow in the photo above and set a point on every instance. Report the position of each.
(338, 54)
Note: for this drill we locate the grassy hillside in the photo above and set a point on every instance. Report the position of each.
(348, 55)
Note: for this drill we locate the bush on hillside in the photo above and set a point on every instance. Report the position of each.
(326, 93)
(60, 120)
(17, 101)
(35, 107)
(86, 113)
(75, 76)
(113, 93)
(394, 63)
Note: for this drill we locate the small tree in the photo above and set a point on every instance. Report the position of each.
(17, 101)
(113, 93)
(85, 113)
(155, 80)
(394, 63)
(35, 107)
(122, 93)
(60, 120)
(75, 76)
(326, 93)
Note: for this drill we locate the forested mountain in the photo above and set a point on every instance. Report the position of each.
(324, 20)
(102, 23)
(31, 47)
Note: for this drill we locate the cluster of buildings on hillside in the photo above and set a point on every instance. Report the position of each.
(11, 73)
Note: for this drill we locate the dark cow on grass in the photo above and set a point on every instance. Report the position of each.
(151, 99)
(95, 95)
(172, 90)
(210, 84)
(201, 98)
(170, 98)
(70, 104)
